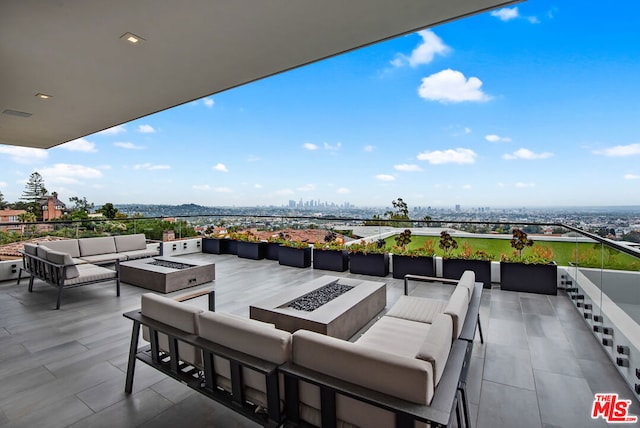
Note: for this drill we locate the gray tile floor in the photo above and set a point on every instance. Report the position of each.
(539, 367)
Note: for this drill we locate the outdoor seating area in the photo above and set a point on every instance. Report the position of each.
(539, 364)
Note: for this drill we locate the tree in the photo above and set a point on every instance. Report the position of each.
(81, 204)
(26, 217)
(108, 210)
(3, 204)
(633, 236)
(400, 215)
(33, 193)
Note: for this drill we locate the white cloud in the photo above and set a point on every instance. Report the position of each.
(150, 167)
(626, 177)
(424, 53)
(3, 184)
(310, 146)
(201, 187)
(369, 148)
(506, 13)
(385, 177)
(257, 186)
(146, 129)
(527, 155)
(79, 145)
(221, 167)
(208, 102)
(451, 86)
(334, 148)
(252, 158)
(222, 190)
(467, 130)
(105, 167)
(459, 155)
(24, 155)
(533, 19)
(343, 191)
(284, 192)
(620, 151)
(128, 146)
(407, 167)
(467, 187)
(493, 138)
(69, 173)
(522, 185)
(500, 184)
(114, 130)
(306, 188)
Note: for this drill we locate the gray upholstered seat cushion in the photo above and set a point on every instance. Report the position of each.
(417, 308)
(103, 258)
(89, 272)
(396, 336)
(138, 254)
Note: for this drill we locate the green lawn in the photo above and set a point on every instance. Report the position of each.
(563, 252)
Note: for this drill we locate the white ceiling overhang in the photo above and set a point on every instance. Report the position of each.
(72, 50)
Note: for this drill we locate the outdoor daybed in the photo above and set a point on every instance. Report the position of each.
(406, 370)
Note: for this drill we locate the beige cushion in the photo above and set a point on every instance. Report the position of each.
(403, 377)
(457, 309)
(417, 308)
(179, 315)
(396, 336)
(93, 246)
(66, 246)
(130, 242)
(61, 258)
(31, 249)
(468, 280)
(89, 272)
(437, 344)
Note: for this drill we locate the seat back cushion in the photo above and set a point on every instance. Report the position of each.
(246, 335)
(437, 345)
(31, 249)
(457, 309)
(403, 377)
(130, 242)
(468, 280)
(42, 251)
(61, 258)
(178, 315)
(65, 246)
(93, 246)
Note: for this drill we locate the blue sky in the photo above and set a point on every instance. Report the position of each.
(534, 105)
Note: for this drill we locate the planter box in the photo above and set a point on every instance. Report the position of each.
(272, 250)
(215, 245)
(541, 279)
(369, 264)
(252, 250)
(335, 260)
(296, 257)
(454, 268)
(417, 265)
(233, 247)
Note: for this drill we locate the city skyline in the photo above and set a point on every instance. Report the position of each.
(532, 105)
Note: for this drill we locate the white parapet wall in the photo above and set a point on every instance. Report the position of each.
(9, 269)
(181, 247)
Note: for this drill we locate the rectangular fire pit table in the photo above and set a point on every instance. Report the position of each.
(166, 274)
(341, 317)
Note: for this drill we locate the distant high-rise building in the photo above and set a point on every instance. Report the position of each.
(457, 207)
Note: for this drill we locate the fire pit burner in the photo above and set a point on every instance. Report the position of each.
(171, 265)
(312, 301)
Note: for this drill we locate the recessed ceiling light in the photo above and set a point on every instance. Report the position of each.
(43, 96)
(131, 38)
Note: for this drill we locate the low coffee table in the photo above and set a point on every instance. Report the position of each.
(166, 274)
(341, 317)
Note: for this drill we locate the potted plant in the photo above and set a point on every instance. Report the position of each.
(273, 245)
(295, 253)
(369, 258)
(250, 246)
(330, 254)
(415, 261)
(534, 272)
(216, 244)
(454, 264)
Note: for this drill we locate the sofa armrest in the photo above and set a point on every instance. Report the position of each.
(470, 325)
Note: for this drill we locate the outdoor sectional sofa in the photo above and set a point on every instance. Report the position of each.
(75, 262)
(407, 369)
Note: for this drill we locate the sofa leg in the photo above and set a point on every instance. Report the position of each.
(465, 406)
(133, 350)
(480, 329)
(30, 288)
(60, 287)
(19, 276)
(118, 286)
